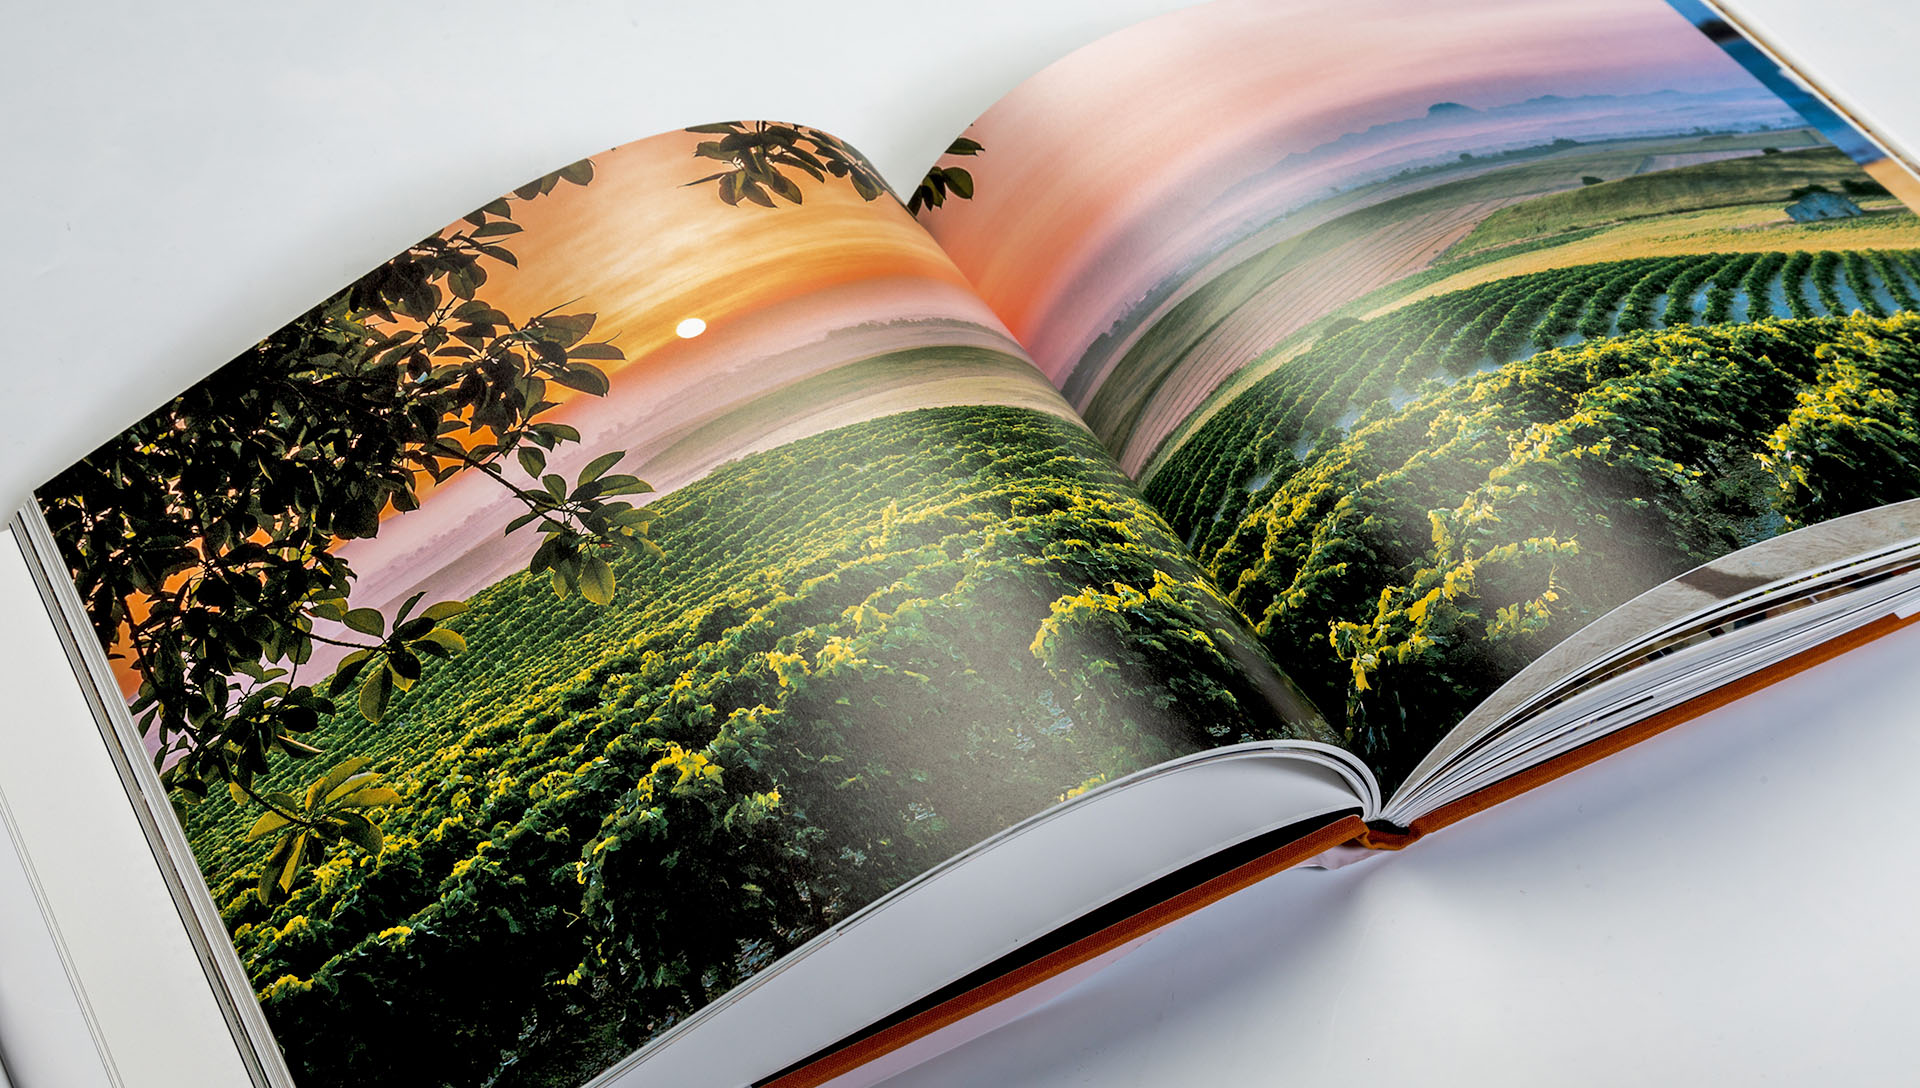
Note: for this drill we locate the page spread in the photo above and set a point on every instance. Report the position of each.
(697, 611)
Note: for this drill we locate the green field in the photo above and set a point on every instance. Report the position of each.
(1368, 367)
(862, 652)
(1529, 215)
(1740, 228)
(1754, 180)
(1410, 564)
(1157, 353)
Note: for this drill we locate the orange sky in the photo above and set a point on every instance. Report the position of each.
(643, 250)
(1092, 167)
(784, 292)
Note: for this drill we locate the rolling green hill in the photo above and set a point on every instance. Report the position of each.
(1358, 363)
(1751, 180)
(1409, 565)
(861, 653)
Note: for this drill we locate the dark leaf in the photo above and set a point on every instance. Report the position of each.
(596, 351)
(375, 693)
(584, 377)
(599, 465)
(596, 580)
(361, 832)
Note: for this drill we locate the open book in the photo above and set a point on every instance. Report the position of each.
(700, 619)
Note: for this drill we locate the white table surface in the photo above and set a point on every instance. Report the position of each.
(180, 179)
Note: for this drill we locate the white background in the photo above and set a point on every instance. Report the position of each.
(181, 179)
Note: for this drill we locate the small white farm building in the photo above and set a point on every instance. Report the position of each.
(1822, 205)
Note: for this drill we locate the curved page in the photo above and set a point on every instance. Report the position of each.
(616, 590)
(1438, 331)
(965, 914)
(1745, 585)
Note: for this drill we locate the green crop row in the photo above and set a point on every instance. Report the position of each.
(859, 654)
(1362, 368)
(1407, 566)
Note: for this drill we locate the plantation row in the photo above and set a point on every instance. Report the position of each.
(1357, 364)
(860, 653)
(1406, 569)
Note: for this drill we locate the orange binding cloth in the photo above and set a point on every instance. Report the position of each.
(862, 1051)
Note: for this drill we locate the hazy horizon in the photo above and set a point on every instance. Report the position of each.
(784, 298)
(1080, 208)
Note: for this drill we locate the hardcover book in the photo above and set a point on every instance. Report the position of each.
(707, 618)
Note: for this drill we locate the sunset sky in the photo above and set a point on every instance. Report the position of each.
(645, 251)
(787, 299)
(1098, 173)
(785, 294)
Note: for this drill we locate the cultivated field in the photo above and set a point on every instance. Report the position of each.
(1398, 233)
(1370, 367)
(1407, 561)
(1728, 198)
(1306, 289)
(1746, 228)
(858, 653)
(1730, 179)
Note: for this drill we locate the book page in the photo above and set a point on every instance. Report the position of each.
(615, 591)
(1437, 332)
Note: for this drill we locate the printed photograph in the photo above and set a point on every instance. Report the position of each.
(1436, 332)
(615, 590)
